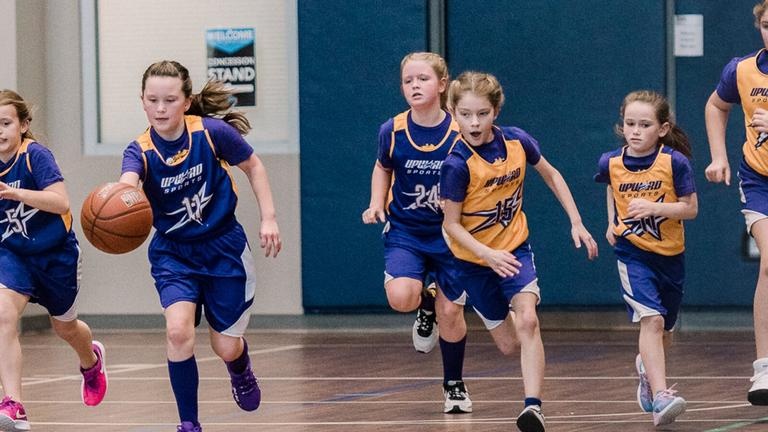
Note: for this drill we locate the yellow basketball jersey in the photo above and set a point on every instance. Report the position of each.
(655, 233)
(753, 91)
(492, 210)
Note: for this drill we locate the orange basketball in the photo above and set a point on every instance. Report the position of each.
(116, 218)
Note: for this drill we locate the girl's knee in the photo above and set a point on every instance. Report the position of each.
(526, 322)
(178, 336)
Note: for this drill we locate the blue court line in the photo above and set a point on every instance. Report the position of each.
(735, 426)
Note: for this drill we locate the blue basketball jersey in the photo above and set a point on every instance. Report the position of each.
(414, 198)
(191, 192)
(27, 230)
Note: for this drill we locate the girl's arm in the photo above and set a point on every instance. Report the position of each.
(130, 178)
(686, 208)
(269, 233)
(52, 199)
(502, 262)
(380, 182)
(609, 235)
(716, 119)
(556, 183)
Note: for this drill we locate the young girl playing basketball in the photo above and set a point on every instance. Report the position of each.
(650, 192)
(404, 194)
(743, 82)
(39, 258)
(199, 255)
(482, 187)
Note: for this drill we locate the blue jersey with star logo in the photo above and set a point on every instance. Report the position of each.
(189, 187)
(663, 176)
(415, 154)
(27, 230)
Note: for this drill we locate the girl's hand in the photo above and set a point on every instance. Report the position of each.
(373, 215)
(640, 208)
(610, 236)
(269, 237)
(581, 235)
(502, 262)
(9, 193)
(759, 120)
(718, 172)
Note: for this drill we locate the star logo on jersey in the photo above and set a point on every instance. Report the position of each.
(424, 198)
(761, 139)
(191, 208)
(17, 219)
(502, 213)
(650, 225)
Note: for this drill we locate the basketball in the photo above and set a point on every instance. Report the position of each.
(116, 218)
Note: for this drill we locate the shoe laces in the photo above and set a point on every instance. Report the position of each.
(6, 401)
(426, 322)
(456, 390)
(245, 383)
(667, 393)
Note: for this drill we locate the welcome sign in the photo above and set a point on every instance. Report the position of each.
(231, 59)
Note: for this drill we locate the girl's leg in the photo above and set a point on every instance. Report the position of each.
(78, 335)
(453, 340)
(92, 361)
(505, 336)
(531, 347)
(234, 351)
(758, 393)
(12, 305)
(652, 351)
(182, 367)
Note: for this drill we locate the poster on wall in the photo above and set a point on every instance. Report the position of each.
(232, 59)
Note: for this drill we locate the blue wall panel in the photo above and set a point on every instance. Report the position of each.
(349, 61)
(718, 274)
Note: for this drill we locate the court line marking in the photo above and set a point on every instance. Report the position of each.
(139, 367)
(124, 368)
(737, 425)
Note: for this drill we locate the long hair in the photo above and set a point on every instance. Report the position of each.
(675, 138)
(214, 100)
(10, 97)
(758, 11)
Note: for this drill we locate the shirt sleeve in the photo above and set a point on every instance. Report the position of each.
(385, 144)
(133, 160)
(45, 171)
(530, 145)
(727, 88)
(682, 174)
(602, 175)
(229, 144)
(454, 178)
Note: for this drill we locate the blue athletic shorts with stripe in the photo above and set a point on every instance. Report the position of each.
(491, 294)
(651, 284)
(754, 195)
(215, 273)
(416, 257)
(50, 278)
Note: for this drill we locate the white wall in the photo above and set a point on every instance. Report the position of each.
(121, 284)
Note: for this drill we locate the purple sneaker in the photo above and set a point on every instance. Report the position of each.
(188, 427)
(245, 389)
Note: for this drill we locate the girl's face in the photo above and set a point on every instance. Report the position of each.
(764, 28)
(642, 129)
(165, 104)
(11, 130)
(475, 116)
(420, 85)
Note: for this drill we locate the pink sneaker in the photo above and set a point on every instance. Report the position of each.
(13, 418)
(94, 384)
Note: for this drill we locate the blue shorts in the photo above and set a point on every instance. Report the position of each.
(652, 284)
(50, 278)
(491, 294)
(217, 274)
(754, 195)
(416, 257)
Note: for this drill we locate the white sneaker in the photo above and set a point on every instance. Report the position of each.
(531, 419)
(456, 398)
(425, 334)
(758, 393)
